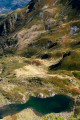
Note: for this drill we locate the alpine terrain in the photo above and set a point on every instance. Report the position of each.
(40, 57)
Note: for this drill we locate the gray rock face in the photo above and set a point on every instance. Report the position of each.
(45, 7)
(74, 29)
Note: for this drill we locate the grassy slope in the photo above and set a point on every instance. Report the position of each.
(56, 21)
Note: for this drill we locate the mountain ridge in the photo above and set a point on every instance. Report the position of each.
(10, 5)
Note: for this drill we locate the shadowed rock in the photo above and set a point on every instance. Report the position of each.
(55, 65)
(67, 54)
(45, 56)
(52, 45)
(60, 61)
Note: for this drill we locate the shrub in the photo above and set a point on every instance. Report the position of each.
(36, 62)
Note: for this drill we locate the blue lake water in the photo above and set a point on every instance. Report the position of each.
(58, 103)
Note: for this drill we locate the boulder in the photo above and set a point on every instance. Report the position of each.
(74, 29)
(40, 95)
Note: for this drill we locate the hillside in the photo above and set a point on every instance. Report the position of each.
(10, 5)
(40, 55)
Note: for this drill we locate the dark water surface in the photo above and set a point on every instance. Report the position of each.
(56, 104)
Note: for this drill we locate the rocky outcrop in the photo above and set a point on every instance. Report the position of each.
(78, 101)
(16, 20)
(53, 45)
(40, 95)
(55, 65)
(31, 6)
(74, 29)
(67, 54)
(26, 36)
(8, 25)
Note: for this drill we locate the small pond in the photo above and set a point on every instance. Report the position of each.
(58, 103)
